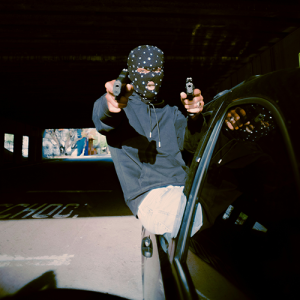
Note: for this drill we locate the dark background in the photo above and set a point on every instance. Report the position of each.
(56, 56)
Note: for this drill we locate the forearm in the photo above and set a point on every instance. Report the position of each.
(104, 120)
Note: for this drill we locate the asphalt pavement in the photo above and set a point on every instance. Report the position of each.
(66, 220)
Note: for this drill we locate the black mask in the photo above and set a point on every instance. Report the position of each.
(150, 58)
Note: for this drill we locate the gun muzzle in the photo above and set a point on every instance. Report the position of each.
(119, 87)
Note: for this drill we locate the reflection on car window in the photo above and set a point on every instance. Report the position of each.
(250, 207)
(258, 122)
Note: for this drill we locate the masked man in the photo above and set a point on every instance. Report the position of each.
(146, 137)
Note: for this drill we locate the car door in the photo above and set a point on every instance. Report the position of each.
(248, 185)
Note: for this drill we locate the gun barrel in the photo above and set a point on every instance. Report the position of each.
(117, 88)
(120, 84)
(189, 86)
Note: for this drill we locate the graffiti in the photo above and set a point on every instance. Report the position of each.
(73, 142)
(57, 142)
(39, 211)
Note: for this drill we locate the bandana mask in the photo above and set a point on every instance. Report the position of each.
(150, 58)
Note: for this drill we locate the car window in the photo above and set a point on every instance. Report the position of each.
(248, 241)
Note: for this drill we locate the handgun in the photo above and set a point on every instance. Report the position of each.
(119, 88)
(189, 88)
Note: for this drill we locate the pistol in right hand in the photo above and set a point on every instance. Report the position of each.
(189, 88)
(119, 88)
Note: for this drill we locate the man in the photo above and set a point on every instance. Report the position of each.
(146, 138)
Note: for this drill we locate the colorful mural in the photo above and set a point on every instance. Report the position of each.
(73, 142)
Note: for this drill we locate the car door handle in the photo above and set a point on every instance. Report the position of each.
(147, 247)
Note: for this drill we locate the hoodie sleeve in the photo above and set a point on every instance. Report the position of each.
(104, 120)
(193, 133)
(188, 131)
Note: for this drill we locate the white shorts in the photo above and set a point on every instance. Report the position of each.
(162, 209)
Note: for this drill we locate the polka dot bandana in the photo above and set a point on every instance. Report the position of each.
(150, 58)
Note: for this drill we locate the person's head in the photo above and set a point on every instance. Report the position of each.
(145, 66)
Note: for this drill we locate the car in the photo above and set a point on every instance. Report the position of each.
(248, 184)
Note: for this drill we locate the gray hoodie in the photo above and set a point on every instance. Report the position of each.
(145, 144)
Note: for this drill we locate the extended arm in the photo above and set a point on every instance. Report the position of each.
(195, 121)
(108, 112)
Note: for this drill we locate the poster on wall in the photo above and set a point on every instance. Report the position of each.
(73, 142)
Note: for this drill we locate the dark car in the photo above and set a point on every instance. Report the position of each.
(248, 184)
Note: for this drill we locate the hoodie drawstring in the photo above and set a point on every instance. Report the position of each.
(159, 144)
(150, 121)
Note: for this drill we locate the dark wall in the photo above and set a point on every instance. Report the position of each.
(284, 54)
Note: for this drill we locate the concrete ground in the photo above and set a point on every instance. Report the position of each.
(68, 230)
(96, 254)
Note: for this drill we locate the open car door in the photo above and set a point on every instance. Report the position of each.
(247, 182)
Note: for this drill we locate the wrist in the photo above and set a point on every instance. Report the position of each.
(194, 116)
